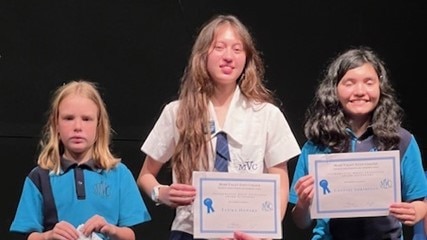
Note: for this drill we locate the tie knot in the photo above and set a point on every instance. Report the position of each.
(221, 136)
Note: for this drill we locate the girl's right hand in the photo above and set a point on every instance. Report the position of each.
(62, 230)
(177, 194)
(304, 189)
(241, 236)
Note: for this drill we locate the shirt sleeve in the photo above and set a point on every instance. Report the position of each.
(301, 169)
(160, 143)
(132, 206)
(414, 181)
(282, 144)
(29, 216)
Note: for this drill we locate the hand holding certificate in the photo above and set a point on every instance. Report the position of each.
(226, 202)
(359, 184)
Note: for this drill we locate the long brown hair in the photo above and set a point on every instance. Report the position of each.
(193, 147)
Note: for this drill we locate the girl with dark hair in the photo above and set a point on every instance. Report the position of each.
(355, 110)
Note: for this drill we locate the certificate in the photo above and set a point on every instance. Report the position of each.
(358, 184)
(226, 202)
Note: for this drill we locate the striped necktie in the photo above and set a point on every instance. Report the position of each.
(222, 153)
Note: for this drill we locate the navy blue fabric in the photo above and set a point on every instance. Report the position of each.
(178, 235)
(222, 152)
(40, 177)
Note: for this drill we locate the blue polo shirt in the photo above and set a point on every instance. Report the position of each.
(413, 184)
(80, 192)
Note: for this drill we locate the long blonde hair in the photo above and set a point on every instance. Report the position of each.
(197, 87)
(51, 146)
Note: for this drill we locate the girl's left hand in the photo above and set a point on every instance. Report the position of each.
(404, 212)
(98, 224)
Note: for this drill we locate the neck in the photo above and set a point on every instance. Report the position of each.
(78, 157)
(222, 95)
(359, 126)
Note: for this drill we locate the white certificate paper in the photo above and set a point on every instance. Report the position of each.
(226, 202)
(357, 184)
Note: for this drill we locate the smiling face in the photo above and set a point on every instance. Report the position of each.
(227, 56)
(359, 92)
(77, 126)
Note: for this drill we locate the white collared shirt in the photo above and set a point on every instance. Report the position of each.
(259, 137)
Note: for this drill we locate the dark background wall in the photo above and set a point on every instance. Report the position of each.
(137, 51)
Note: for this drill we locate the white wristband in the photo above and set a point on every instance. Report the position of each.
(155, 193)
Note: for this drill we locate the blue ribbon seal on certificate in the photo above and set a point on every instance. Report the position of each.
(208, 203)
(324, 184)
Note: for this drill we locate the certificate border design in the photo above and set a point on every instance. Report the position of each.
(203, 178)
(392, 156)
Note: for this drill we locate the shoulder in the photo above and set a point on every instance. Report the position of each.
(405, 138)
(37, 172)
(40, 177)
(170, 108)
(121, 167)
(263, 107)
(404, 134)
(310, 147)
(172, 105)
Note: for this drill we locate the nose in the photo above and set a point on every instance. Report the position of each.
(228, 54)
(360, 89)
(77, 125)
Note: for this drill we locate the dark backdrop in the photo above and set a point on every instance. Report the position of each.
(137, 51)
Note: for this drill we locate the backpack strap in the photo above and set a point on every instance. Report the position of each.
(41, 179)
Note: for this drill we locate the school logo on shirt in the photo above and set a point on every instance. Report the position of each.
(247, 166)
(102, 189)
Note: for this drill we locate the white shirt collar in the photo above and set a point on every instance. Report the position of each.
(235, 118)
